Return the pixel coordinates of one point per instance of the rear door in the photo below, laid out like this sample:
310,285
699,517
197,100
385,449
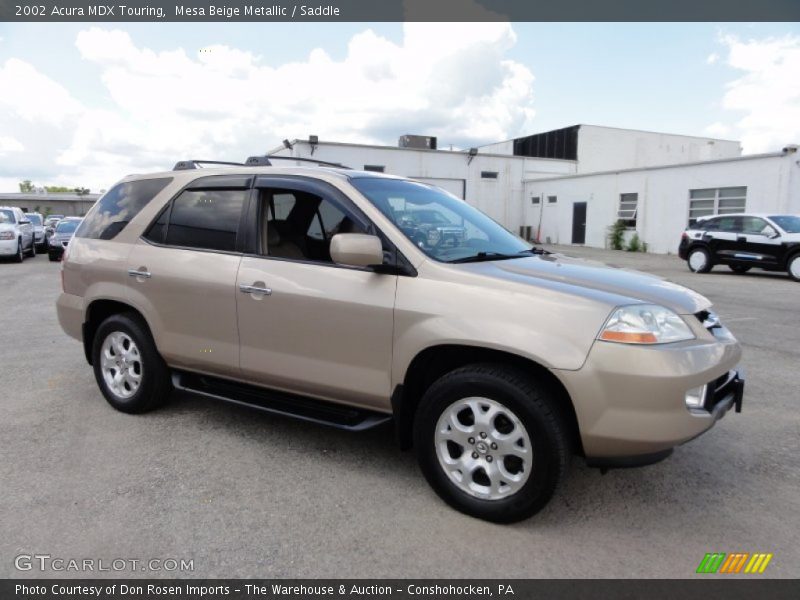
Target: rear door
182,275
307,325
721,236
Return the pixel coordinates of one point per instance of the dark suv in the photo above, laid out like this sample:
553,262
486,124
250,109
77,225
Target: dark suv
743,241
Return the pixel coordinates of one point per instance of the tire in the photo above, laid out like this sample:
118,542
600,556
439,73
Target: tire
52,257
20,255
793,267
699,265
32,252
114,338
528,411
739,269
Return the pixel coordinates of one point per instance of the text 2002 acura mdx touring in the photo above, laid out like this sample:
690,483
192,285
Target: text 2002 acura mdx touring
294,291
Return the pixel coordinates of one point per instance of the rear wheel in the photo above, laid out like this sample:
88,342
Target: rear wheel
739,269
699,260
127,366
491,442
793,267
32,252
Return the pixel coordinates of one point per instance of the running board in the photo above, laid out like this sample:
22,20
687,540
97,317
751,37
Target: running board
279,403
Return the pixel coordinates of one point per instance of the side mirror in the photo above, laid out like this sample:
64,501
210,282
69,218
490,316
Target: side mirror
24,222
356,250
772,234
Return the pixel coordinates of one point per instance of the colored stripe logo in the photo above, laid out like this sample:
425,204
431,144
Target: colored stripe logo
736,562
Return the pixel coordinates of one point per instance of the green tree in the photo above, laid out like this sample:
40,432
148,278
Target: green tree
81,191
25,186
57,188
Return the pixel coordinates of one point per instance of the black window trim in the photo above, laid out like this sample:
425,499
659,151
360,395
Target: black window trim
341,201
207,183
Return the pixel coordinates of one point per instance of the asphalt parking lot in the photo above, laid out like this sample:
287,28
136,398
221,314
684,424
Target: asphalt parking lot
244,494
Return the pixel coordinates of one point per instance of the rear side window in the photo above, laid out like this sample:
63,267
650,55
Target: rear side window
207,219
118,206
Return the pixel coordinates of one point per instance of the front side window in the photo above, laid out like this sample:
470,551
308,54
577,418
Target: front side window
118,206
756,226
442,226
628,206
299,225
206,219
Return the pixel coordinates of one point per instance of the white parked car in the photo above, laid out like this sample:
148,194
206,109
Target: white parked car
37,221
16,234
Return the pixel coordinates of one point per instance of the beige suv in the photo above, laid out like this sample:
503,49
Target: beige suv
352,299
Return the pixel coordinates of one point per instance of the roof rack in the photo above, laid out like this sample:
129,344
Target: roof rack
266,161
187,165
253,161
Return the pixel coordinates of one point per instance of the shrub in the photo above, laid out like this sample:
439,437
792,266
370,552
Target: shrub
635,244
616,235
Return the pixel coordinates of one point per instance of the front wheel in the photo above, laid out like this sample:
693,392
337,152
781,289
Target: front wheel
699,260
491,442
127,366
32,253
793,267
20,255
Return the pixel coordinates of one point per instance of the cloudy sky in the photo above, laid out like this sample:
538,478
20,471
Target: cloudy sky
86,104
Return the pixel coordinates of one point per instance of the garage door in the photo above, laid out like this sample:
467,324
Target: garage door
454,186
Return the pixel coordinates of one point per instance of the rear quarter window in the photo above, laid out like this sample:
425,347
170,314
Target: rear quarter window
109,216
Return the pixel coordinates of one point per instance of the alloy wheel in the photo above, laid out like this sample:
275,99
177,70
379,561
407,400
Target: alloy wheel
484,448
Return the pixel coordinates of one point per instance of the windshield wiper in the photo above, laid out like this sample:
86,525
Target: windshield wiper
483,256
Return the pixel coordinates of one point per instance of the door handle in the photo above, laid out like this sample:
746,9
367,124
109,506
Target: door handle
253,289
140,273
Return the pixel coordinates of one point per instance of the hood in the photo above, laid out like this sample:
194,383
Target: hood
597,276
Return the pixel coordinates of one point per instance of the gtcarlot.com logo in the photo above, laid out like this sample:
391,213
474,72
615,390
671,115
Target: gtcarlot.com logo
736,562
46,562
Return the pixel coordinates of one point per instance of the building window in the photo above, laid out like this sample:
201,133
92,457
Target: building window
628,205
716,201
375,168
552,199
535,200
489,174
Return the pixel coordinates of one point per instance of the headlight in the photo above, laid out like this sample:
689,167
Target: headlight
645,324
6,235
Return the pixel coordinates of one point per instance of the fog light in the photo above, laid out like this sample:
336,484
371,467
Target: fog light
696,397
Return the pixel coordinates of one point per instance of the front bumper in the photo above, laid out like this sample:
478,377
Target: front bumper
8,247
630,401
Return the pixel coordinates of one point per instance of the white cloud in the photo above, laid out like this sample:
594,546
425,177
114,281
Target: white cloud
718,129
9,145
712,58
447,79
767,94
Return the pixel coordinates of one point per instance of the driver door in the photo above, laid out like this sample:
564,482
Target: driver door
307,325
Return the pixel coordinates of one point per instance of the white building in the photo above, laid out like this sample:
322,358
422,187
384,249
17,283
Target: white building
569,185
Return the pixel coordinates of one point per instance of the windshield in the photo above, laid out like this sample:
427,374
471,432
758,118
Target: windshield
35,219
7,216
67,226
421,213
789,223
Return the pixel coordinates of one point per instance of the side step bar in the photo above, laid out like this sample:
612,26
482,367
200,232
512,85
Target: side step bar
280,403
